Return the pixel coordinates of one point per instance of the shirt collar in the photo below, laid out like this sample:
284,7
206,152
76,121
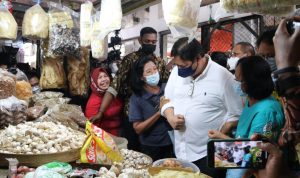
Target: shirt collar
209,63
147,95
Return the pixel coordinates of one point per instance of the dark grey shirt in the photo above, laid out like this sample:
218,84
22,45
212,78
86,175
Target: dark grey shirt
143,107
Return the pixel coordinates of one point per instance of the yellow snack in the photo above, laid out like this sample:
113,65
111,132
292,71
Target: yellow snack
23,90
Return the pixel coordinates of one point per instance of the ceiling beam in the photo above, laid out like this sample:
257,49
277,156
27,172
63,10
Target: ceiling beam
131,7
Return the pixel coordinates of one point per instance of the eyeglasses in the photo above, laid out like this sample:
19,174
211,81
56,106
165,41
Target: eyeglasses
191,89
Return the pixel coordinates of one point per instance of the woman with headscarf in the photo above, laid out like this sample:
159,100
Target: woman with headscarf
111,122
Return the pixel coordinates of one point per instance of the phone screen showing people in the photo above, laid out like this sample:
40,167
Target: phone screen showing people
237,154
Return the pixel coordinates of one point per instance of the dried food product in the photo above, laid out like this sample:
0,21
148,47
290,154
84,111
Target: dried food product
53,74
35,23
35,112
78,74
46,95
8,25
52,102
39,138
133,159
12,111
7,84
85,23
57,118
23,90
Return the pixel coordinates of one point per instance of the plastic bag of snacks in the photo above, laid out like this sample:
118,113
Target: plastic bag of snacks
53,74
99,147
110,16
8,24
63,31
78,74
181,16
7,84
23,90
35,23
86,11
98,43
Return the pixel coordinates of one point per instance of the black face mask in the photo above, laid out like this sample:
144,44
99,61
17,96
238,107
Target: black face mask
148,48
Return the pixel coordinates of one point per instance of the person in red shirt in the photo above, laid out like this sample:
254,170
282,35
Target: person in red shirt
111,122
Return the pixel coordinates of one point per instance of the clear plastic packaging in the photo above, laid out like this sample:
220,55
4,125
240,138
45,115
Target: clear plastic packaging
7,84
181,16
35,23
8,24
98,43
64,38
86,11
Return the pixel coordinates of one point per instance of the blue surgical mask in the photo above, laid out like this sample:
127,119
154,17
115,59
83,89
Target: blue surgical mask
186,72
238,88
153,79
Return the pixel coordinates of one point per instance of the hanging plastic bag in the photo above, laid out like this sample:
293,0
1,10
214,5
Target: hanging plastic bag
86,11
63,31
53,74
35,23
99,147
78,74
110,16
182,16
8,24
98,43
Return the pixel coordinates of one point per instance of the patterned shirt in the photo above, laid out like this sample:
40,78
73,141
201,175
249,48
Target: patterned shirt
121,82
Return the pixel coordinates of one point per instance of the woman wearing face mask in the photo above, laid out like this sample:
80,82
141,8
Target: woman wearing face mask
144,109
262,113
111,121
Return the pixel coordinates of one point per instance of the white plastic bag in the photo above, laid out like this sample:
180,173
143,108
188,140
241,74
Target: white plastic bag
181,16
110,16
35,23
8,25
86,24
98,43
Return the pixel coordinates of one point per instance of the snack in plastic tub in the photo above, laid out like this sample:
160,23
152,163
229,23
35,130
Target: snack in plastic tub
8,24
175,163
35,23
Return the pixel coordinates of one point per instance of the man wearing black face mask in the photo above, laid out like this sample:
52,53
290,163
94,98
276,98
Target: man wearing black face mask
120,83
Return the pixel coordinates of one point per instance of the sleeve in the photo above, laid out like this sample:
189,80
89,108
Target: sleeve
135,110
121,76
233,102
262,120
169,90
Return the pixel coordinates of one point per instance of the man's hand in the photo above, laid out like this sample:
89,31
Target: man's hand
214,134
97,117
177,122
287,51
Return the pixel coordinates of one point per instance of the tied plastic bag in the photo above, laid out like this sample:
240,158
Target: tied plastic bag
7,84
182,16
110,16
35,23
99,147
98,43
64,38
8,24
86,11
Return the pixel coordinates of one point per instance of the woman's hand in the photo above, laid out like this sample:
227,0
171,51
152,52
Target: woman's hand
214,134
163,101
97,117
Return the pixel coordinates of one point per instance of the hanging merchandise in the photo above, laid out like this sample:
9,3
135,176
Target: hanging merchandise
181,16
35,23
98,43
78,74
7,84
86,23
8,24
273,7
53,74
110,16
63,31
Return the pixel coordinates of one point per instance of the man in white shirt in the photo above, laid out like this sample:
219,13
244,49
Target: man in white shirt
238,156
201,98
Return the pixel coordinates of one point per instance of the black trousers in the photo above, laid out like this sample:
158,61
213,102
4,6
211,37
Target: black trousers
158,152
202,165
129,133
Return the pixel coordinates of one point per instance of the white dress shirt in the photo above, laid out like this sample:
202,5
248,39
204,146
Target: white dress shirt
212,102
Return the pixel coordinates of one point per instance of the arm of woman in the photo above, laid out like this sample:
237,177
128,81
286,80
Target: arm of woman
141,126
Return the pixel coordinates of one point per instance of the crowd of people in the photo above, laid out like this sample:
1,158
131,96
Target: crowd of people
174,114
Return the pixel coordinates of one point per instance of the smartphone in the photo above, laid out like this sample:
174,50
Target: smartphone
235,154
292,26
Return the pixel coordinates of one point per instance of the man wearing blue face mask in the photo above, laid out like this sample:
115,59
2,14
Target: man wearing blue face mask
201,98
144,113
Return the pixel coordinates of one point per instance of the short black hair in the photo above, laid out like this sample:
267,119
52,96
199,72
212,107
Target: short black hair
136,83
247,47
32,73
256,74
147,30
220,58
266,37
187,51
